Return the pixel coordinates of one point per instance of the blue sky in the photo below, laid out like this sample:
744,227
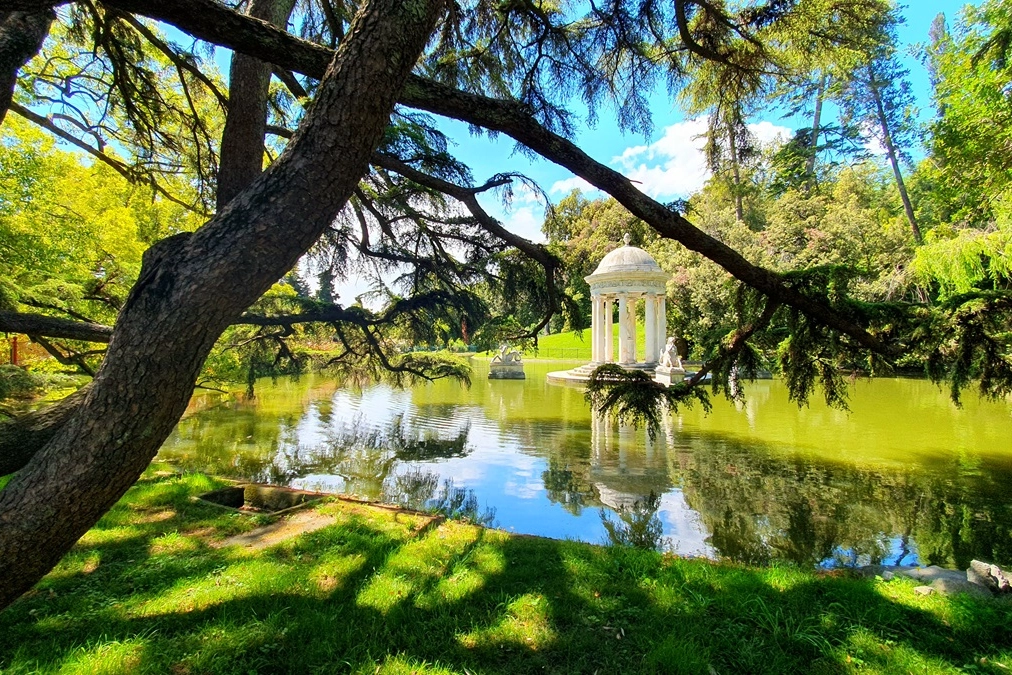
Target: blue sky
668,162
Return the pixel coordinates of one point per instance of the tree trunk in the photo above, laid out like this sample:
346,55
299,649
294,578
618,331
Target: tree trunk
21,38
23,436
192,286
890,148
739,207
242,140
820,94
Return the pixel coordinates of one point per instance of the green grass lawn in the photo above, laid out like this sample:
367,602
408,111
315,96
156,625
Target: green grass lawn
569,346
379,592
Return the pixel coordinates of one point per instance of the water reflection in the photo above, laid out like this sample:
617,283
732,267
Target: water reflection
637,525
731,485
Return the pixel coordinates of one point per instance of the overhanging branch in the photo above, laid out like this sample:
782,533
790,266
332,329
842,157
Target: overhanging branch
50,326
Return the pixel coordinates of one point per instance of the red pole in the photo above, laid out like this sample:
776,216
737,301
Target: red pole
14,350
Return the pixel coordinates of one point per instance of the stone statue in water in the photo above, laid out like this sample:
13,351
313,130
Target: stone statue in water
669,368
506,355
506,365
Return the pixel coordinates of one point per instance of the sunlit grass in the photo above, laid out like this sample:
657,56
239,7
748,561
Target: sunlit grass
150,589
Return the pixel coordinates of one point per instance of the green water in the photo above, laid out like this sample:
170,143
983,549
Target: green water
904,477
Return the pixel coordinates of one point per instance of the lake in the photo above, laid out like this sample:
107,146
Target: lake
904,477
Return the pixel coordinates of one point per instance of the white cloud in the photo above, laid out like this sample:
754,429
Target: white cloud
569,184
767,132
674,165
869,132
526,222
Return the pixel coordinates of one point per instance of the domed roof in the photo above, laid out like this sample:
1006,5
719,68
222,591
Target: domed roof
627,259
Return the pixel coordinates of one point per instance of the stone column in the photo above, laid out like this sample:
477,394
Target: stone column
662,323
595,328
623,342
630,329
609,311
650,328
599,330
630,308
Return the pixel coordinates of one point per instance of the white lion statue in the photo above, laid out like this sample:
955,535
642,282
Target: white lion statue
669,357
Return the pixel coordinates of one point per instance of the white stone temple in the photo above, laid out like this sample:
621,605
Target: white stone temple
626,276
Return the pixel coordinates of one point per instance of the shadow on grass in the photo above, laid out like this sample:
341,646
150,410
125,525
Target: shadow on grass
144,592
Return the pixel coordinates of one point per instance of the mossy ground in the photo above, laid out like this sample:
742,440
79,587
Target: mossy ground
377,592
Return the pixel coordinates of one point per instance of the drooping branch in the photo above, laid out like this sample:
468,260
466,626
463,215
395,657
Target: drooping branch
119,166
177,59
68,358
468,197
736,343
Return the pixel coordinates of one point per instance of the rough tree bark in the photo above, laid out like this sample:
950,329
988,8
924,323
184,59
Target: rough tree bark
242,140
192,286
21,38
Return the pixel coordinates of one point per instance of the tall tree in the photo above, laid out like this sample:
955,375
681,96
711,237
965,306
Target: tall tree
879,102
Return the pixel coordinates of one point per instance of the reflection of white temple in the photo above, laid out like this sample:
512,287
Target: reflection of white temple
626,464
626,276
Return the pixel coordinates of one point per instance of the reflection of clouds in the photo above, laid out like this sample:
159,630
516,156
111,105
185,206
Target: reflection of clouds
683,527
320,483
529,489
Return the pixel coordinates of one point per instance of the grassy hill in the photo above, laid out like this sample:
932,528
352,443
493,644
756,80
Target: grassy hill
570,346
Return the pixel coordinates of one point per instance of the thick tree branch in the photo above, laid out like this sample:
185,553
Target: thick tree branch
50,326
21,38
515,121
24,435
215,23
690,42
